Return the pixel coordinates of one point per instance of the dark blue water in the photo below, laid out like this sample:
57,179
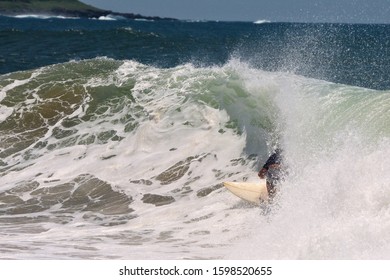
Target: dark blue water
343,53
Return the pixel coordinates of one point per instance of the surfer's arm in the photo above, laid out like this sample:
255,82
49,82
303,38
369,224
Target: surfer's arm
262,173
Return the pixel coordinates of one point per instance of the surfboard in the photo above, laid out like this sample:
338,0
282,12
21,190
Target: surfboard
252,192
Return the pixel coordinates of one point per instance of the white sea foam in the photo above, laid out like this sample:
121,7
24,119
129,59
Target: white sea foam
262,21
43,16
111,17
333,204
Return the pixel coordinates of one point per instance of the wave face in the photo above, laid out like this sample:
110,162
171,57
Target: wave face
126,161
115,145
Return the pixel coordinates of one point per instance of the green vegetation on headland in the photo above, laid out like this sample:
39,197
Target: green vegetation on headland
65,8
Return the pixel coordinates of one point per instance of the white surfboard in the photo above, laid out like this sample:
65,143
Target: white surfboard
252,192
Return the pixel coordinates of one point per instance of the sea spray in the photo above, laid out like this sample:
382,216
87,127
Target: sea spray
334,202
126,160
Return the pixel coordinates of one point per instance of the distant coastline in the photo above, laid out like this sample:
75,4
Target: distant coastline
64,8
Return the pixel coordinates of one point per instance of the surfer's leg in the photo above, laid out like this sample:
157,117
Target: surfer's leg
271,190
273,178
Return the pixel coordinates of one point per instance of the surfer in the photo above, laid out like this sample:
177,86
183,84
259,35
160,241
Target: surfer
272,171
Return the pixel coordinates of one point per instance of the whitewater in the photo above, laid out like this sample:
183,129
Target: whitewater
116,136
116,159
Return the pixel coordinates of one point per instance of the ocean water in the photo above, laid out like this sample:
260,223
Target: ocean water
115,137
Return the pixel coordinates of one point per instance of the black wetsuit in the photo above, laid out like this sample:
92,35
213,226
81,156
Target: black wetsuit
275,158
274,175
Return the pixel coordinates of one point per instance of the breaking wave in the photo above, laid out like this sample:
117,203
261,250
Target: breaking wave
126,160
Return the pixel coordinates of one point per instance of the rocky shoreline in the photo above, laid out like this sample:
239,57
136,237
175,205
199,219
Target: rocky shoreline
57,9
